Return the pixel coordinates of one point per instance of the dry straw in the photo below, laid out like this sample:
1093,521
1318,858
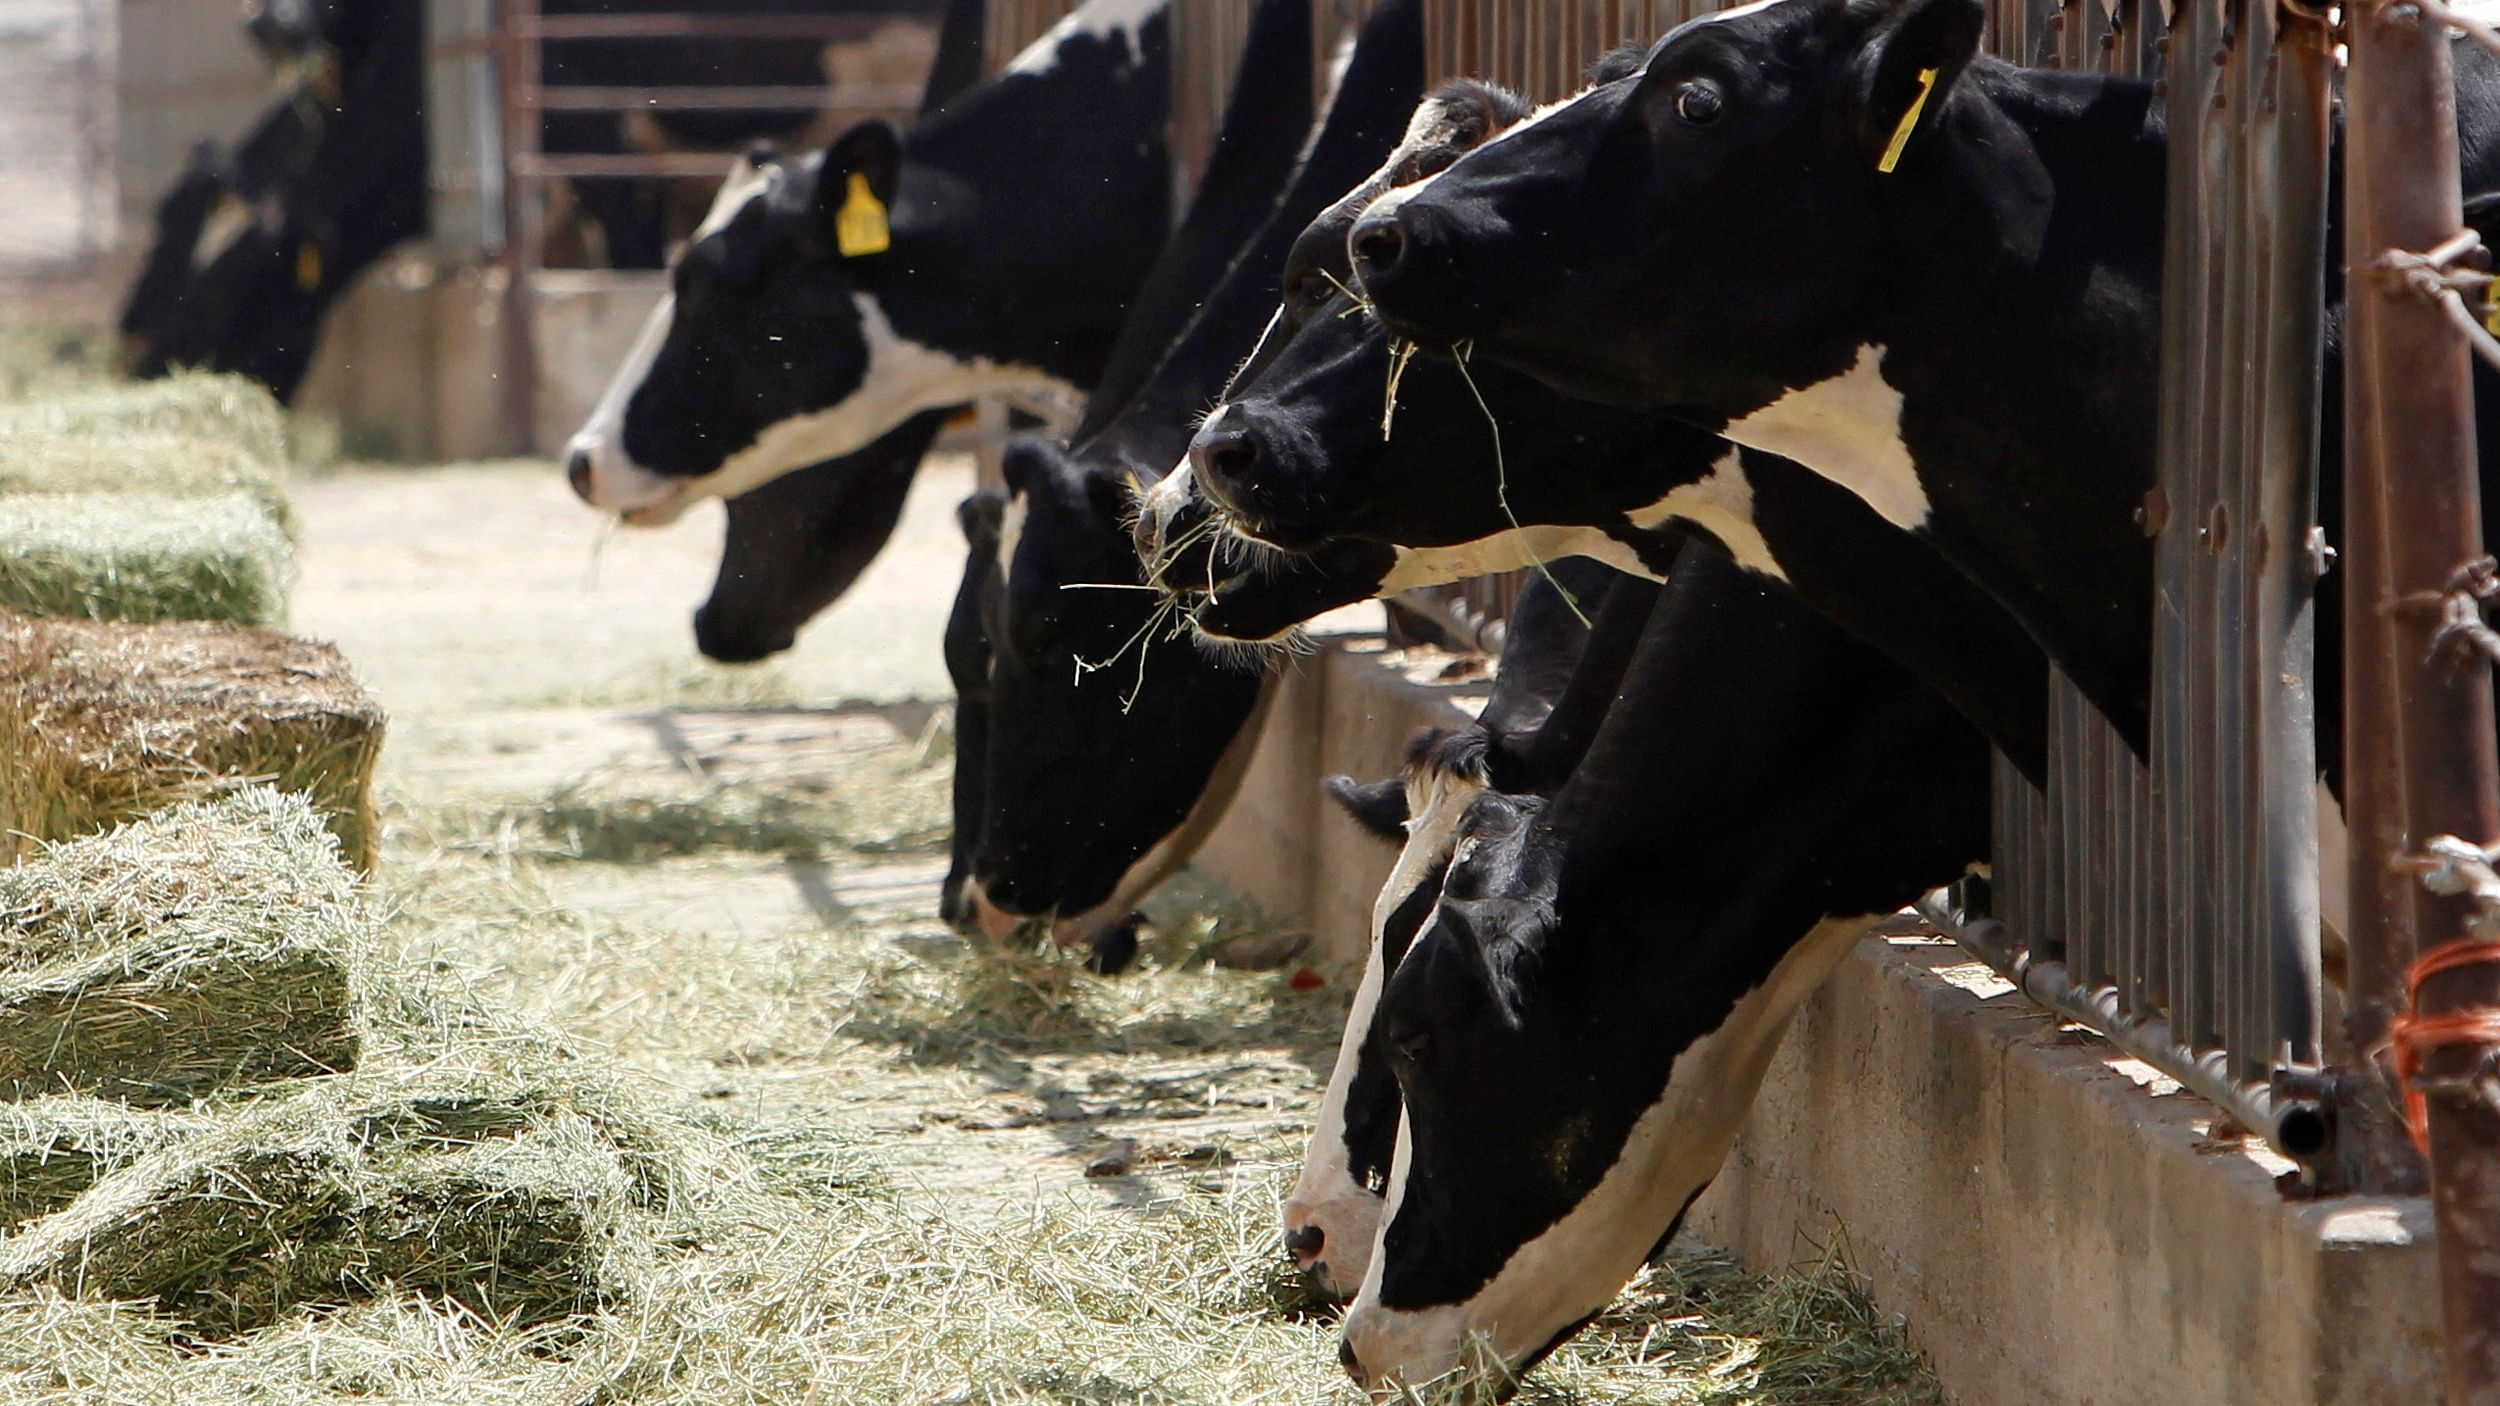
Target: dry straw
205,948
143,557
103,723
183,437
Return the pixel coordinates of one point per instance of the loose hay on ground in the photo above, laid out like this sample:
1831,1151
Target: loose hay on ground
103,723
210,947
143,557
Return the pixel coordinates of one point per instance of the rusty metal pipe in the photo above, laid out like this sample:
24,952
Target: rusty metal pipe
2433,769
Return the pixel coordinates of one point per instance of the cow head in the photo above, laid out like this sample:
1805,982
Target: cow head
796,544
1332,1214
1580,1027
1306,455
231,284
1710,232
1114,744
823,302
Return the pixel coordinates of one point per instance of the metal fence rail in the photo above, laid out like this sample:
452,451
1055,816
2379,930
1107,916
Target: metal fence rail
2174,906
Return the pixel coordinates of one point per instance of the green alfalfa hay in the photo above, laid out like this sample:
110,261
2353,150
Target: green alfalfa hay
143,557
211,947
53,1149
224,409
142,461
104,723
339,1194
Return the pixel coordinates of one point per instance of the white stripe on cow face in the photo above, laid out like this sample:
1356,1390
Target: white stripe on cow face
1721,505
1326,1195
616,481
1098,20
1848,429
1011,534
1580,1262
232,218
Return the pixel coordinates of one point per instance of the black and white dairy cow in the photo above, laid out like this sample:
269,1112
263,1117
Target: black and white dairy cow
1557,681
253,246
1580,1026
1964,341
1485,469
1113,741
993,248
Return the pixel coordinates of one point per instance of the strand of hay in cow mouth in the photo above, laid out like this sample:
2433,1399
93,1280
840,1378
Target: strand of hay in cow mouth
210,947
143,557
104,723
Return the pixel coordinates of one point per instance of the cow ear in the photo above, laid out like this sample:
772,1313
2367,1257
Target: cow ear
1906,69
855,190
1025,463
1378,806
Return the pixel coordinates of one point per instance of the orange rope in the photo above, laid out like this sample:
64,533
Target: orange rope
2411,1034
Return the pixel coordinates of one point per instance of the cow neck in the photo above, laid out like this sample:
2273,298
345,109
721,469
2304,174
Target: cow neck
2028,385
977,204
1382,85
1266,125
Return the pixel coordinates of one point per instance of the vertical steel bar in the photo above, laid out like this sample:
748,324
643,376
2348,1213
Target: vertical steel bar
525,225
2372,1151
2409,368
2300,98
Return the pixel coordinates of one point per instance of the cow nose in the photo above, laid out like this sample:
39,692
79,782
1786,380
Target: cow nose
1230,457
1305,1244
577,473
1353,1365
1378,245
724,639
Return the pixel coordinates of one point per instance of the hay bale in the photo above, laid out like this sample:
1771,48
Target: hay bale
103,723
342,1192
228,410
146,461
143,557
207,948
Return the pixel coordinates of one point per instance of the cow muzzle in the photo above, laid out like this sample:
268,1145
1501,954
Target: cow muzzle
1331,1241
602,477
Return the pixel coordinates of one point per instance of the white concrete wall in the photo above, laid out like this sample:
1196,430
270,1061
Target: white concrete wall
59,201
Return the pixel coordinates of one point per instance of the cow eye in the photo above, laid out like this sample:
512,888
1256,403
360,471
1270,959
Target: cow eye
1699,103
1312,289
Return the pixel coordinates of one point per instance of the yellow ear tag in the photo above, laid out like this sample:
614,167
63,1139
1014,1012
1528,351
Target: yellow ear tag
1909,119
861,228
2491,307
308,266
